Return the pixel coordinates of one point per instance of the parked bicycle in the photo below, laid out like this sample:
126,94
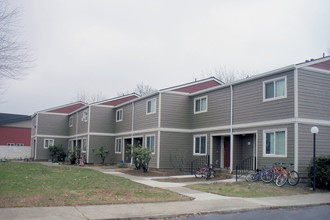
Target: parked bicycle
287,175
254,176
205,172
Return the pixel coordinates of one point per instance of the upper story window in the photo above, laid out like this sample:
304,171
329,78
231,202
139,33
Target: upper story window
275,89
150,143
85,116
19,144
151,106
200,104
275,144
10,144
119,115
200,144
70,121
48,143
118,145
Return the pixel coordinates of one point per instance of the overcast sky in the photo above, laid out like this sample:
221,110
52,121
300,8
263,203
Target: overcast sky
107,46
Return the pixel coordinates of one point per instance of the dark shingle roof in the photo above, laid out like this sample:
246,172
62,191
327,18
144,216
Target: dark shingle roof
6,118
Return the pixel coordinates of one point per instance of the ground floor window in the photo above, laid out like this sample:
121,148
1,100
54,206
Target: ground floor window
48,143
84,145
199,144
118,145
151,143
275,143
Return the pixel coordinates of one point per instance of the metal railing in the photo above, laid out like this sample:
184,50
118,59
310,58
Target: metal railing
199,162
245,166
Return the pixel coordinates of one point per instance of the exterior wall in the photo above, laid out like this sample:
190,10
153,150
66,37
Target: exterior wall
34,126
82,125
175,147
218,109
14,152
102,119
95,142
52,124
176,111
313,95
15,136
305,152
43,153
21,124
248,104
141,119
126,124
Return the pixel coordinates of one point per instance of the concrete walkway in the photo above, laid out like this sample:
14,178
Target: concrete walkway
203,203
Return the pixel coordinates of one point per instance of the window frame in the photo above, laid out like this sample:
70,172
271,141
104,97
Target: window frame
19,144
149,147
151,100
274,82
84,140
47,139
121,118
85,116
265,132
70,121
10,144
116,145
194,150
200,98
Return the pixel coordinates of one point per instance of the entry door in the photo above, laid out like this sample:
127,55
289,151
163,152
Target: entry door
227,152
127,150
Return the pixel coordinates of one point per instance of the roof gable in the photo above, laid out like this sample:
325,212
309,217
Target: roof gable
118,100
67,109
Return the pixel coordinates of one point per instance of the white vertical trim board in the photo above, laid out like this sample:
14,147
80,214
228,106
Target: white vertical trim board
159,126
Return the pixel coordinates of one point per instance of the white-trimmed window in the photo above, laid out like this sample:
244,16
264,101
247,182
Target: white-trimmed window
151,106
84,145
48,143
10,144
275,89
19,144
150,143
70,121
85,116
200,104
275,143
200,144
118,145
119,115
70,145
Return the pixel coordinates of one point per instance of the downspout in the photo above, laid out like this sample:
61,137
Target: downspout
231,128
132,138
88,131
296,115
76,130
36,137
159,126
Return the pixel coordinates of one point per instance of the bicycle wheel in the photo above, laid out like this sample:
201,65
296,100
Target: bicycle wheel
252,177
293,178
199,174
267,176
281,179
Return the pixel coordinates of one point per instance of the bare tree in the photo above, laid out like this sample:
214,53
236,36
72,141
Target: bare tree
228,75
83,96
140,89
14,56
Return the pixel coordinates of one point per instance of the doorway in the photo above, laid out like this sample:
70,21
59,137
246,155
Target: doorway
226,152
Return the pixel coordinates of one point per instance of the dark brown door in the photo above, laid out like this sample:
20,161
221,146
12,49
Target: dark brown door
227,152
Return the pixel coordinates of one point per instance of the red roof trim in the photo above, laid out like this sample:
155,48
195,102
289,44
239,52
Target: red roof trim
323,65
68,109
198,87
120,101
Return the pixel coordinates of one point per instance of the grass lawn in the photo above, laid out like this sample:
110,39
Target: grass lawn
255,189
32,184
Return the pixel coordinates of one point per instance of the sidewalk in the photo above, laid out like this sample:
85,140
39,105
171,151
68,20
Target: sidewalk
202,204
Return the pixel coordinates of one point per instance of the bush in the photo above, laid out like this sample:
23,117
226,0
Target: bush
322,174
57,153
102,153
74,154
141,157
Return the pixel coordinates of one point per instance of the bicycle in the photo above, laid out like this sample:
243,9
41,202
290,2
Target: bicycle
270,174
206,172
282,176
287,175
293,176
254,176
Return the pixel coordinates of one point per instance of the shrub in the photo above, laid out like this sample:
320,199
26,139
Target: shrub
57,153
322,174
102,153
74,154
141,157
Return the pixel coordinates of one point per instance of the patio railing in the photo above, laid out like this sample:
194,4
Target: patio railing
199,163
245,166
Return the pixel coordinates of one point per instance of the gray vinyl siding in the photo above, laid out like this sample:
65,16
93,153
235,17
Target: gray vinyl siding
95,142
248,104
218,109
175,111
242,150
305,151
101,119
34,126
141,119
43,153
313,95
52,124
175,147
126,124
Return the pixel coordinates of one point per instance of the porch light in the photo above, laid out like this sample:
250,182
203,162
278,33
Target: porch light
314,131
